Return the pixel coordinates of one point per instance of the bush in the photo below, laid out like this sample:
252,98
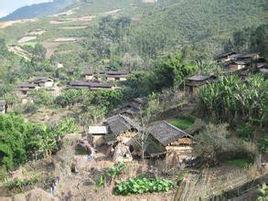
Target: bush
42,97
141,185
30,108
21,140
215,145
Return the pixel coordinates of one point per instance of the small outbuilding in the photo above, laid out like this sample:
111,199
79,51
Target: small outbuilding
195,82
98,133
88,75
132,108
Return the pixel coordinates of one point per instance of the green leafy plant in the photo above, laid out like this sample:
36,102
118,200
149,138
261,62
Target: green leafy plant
111,174
141,185
263,193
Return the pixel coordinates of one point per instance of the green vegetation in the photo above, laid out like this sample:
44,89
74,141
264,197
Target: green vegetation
114,172
233,100
263,193
141,185
182,122
21,140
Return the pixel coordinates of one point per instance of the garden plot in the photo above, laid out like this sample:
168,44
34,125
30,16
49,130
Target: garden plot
26,39
88,18
67,13
20,52
37,32
66,39
112,12
6,24
73,27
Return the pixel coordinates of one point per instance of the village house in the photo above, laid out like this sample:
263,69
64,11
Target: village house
24,88
89,75
98,133
225,57
164,137
43,82
22,91
3,107
264,72
116,75
132,108
236,65
249,57
261,65
121,129
80,84
195,82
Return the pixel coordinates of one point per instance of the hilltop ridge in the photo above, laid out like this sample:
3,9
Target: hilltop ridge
38,10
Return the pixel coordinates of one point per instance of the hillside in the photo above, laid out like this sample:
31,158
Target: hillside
178,23
37,10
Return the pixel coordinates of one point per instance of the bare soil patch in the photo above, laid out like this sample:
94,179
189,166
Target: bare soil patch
10,23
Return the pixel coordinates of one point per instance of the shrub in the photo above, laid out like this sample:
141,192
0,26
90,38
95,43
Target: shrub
42,97
30,108
263,193
141,185
215,144
21,140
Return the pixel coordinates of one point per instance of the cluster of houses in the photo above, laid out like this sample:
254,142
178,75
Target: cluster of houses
128,139
99,80
36,83
233,61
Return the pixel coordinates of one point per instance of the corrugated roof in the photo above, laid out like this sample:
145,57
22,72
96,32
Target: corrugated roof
97,130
